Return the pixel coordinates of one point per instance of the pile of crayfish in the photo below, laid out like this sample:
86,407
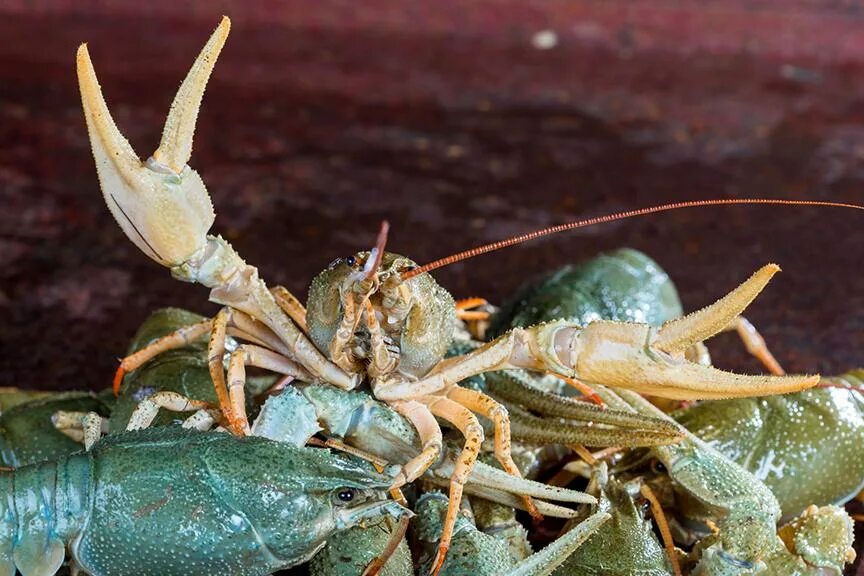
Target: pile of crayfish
386,428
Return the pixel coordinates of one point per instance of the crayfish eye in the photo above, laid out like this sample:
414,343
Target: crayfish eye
345,495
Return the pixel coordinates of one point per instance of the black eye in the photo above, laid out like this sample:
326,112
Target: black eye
346,494
658,467
350,260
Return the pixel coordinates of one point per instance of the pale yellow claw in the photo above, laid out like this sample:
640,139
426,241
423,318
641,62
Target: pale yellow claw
175,149
615,354
632,356
680,334
162,205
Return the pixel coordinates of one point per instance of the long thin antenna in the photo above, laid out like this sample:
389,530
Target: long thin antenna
612,218
377,253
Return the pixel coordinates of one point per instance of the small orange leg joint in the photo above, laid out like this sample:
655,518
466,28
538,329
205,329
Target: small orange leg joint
663,526
464,312
233,422
398,534
280,385
118,379
439,559
583,388
562,478
755,344
469,315
584,454
396,494
468,303
532,508
379,463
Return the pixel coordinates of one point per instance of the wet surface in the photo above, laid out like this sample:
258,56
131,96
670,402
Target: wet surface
318,124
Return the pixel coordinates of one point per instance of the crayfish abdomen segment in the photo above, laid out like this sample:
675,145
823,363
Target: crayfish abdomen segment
43,507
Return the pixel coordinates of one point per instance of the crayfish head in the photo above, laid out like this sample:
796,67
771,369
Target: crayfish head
161,204
298,497
415,317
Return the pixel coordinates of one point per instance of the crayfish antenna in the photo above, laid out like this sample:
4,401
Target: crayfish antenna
377,253
162,205
636,213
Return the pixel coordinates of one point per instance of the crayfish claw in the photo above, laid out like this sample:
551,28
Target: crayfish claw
175,149
633,365
162,205
680,334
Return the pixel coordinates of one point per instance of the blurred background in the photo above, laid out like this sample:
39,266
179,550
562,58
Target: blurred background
461,123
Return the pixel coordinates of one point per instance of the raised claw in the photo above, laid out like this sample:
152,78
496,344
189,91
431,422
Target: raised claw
162,204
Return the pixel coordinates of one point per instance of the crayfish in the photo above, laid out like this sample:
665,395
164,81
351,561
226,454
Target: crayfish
377,317
174,501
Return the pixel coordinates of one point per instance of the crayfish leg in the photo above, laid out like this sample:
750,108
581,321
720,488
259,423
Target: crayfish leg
663,526
463,419
464,309
84,427
291,306
147,409
589,393
251,355
396,537
237,422
497,413
179,338
430,437
755,344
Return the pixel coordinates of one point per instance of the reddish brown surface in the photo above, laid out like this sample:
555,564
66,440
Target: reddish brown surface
323,118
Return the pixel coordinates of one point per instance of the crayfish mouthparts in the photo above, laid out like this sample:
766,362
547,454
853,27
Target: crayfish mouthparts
371,510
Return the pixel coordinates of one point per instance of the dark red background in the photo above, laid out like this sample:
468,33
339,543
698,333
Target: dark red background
323,117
